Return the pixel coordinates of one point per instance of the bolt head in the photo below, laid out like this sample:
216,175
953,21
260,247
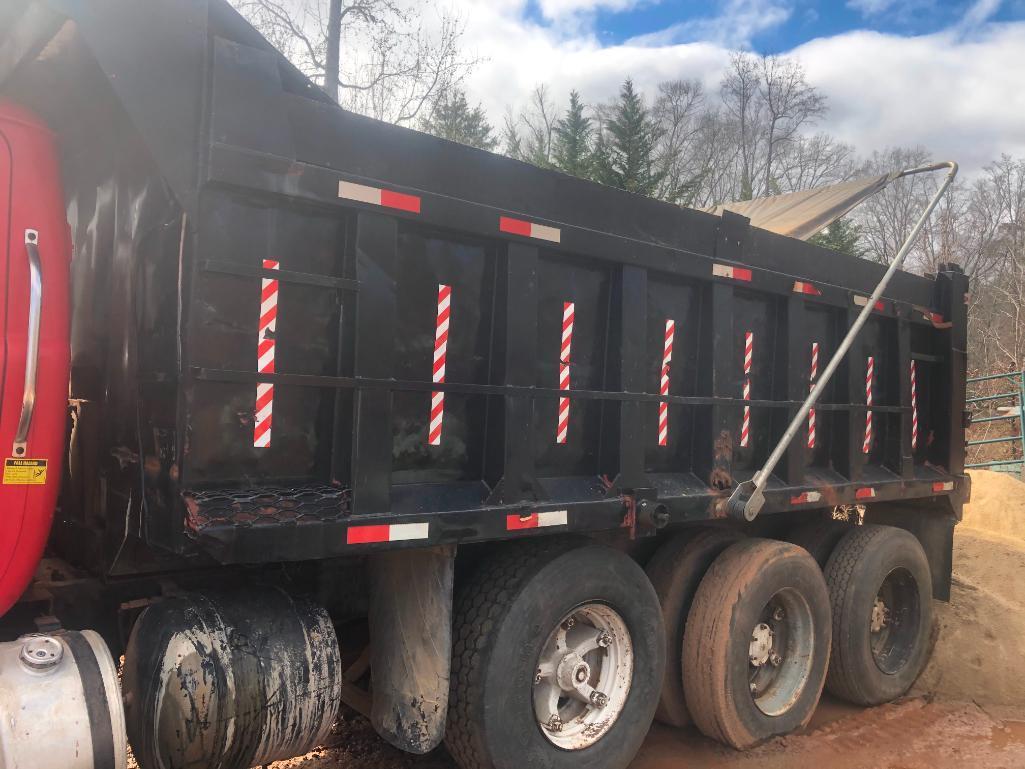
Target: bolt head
604,640
775,659
537,677
754,688
569,623
779,614
599,699
555,724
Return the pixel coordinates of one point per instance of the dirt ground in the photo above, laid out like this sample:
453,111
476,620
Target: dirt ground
967,709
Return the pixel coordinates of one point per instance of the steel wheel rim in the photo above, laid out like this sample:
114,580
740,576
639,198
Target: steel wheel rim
583,676
780,652
894,621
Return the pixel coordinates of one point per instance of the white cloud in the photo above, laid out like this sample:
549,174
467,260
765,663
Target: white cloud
957,93
736,24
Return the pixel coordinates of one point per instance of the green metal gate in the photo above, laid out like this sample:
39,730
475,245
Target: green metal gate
1010,399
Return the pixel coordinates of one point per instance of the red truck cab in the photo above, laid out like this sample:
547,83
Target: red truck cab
35,253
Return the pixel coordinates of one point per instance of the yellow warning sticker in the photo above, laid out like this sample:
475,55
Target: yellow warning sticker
24,472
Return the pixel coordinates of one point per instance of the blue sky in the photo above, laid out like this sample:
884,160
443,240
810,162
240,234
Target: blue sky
805,20
947,75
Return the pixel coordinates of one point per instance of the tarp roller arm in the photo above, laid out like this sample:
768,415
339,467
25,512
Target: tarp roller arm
748,498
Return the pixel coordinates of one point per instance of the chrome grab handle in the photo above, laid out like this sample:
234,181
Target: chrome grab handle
35,307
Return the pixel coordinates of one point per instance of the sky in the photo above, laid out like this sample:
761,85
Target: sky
945,74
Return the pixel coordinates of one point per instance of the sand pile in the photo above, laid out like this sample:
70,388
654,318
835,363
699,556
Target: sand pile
980,634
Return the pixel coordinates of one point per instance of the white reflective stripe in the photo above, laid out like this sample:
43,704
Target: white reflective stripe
553,518
360,193
262,441
399,532
540,231
812,496
722,271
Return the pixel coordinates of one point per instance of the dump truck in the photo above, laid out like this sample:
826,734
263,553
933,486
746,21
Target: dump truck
300,410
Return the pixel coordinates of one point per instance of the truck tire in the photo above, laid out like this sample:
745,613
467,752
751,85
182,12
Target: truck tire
539,620
675,572
880,590
756,647
819,538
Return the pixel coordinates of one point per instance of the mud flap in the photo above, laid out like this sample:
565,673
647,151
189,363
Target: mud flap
411,645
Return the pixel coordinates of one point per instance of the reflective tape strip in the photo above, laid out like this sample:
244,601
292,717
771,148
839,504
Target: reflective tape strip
529,229
861,301
396,532
806,498
811,386
943,486
562,430
800,287
663,407
263,409
865,493
745,428
914,408
376,196
437,413
733,273
537,520
869,376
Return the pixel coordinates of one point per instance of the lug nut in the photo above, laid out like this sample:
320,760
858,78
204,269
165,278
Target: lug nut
599,699
604,640
778,614
554,724
754,688
537,677
568,623
775,659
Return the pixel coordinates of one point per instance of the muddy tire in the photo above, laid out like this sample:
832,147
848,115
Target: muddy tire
819,538
880,590
756,647
675,572
509,619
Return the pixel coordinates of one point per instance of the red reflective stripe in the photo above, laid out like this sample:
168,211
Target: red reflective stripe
363,535
742,273
514,226
516,522
400,201
865,493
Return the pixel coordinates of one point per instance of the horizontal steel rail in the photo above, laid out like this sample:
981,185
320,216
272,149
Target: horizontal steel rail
1011,464
995,440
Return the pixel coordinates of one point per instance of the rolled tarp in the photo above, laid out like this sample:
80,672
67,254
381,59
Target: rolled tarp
801,214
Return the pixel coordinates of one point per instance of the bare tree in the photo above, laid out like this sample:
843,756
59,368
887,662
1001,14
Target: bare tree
678,111
740,91
538,121
886,218
789,105
376,57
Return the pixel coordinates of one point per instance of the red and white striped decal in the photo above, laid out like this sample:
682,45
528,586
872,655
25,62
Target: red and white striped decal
663,390
939,486
865,492
806,498
440,355
914,408
869,376
529,229
800,287
733,273
265,358
861,301
396,532
811,386
564,356
537,520
745,429
376,196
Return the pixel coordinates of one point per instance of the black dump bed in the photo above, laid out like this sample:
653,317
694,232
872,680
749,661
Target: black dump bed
266,288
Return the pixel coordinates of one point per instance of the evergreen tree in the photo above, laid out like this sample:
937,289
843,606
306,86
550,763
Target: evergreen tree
843,235
633,136
452,118
572,146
